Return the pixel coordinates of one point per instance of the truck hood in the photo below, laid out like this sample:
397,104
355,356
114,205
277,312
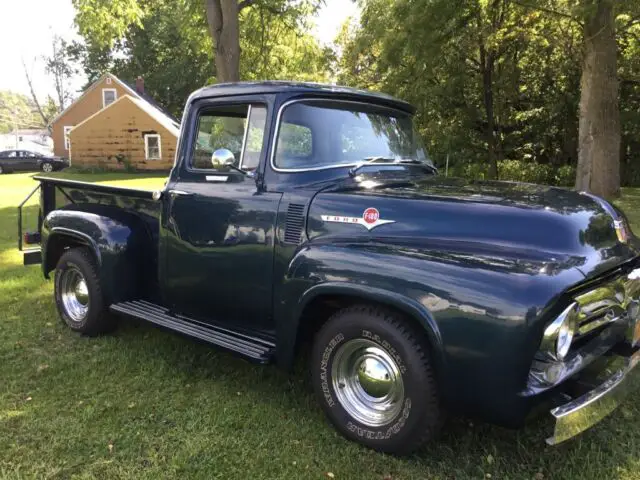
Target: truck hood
542,226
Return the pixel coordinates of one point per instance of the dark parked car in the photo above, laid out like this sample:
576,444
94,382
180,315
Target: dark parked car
25,161
307,219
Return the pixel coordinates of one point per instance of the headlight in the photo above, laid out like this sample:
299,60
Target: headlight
558,336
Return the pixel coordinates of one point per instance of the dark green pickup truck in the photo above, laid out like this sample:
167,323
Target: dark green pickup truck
305,218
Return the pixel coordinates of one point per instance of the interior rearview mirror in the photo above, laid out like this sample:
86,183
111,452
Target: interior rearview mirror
222,158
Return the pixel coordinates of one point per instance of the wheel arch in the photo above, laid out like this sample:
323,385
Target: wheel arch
320,301
60,239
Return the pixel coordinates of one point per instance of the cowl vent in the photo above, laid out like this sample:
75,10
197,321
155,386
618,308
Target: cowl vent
295,224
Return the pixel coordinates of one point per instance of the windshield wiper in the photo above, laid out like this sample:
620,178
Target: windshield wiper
400,161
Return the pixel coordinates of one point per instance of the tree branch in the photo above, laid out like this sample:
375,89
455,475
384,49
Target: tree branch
548,10
45,119
245,4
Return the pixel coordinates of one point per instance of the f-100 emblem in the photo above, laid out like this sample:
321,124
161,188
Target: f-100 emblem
370,219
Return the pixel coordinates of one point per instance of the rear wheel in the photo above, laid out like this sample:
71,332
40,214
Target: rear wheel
47,167
78,293
374,380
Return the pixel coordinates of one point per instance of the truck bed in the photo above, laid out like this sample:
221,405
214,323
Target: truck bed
60,193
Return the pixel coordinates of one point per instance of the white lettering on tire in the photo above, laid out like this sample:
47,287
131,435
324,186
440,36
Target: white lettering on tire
387,346
326,355
383,434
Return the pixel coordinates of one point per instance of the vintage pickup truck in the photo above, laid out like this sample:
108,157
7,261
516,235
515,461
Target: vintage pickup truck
300,215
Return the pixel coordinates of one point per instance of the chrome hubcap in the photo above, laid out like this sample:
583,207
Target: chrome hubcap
47,167
367,382
74,294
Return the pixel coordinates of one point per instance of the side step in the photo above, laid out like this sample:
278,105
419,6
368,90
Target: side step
253,348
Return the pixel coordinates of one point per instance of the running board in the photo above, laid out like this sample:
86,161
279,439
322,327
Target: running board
253,348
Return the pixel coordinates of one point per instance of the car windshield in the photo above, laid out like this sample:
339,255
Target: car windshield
317,134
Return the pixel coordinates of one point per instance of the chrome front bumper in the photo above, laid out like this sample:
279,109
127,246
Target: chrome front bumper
588,409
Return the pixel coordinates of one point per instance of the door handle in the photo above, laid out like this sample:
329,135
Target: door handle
180,193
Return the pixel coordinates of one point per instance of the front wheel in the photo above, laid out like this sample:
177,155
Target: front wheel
374,380
46,167
78,293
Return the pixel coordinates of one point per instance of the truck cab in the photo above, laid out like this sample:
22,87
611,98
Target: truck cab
301,215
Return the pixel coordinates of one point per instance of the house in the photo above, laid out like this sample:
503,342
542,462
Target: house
33,140
128,132
114,125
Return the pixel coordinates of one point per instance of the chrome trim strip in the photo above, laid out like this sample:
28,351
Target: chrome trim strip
244,137
583,412
274,142
217,178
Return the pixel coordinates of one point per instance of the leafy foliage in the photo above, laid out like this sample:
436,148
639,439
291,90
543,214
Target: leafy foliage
16,108
483,71
167,42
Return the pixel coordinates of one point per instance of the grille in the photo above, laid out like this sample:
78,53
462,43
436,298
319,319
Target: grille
295,224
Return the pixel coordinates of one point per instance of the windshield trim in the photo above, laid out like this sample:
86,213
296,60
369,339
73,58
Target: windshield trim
274,141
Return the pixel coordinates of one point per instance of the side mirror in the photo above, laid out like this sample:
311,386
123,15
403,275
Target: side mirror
223,158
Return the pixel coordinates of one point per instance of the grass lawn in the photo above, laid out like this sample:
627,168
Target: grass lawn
144,403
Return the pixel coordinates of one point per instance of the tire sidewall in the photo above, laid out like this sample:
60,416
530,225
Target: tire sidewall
410,421
74,258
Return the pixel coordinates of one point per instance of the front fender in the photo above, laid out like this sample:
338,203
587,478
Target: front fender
121,243
483,313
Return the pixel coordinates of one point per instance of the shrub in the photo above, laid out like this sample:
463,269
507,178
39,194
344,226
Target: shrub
519,171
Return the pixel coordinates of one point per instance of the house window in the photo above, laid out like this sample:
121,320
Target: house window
152,147
67,129
109,95
108,80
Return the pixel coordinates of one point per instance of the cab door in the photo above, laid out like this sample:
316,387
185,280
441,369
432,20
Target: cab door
217,240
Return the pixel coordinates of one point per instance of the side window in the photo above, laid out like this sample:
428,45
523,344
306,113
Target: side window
12,154
67,144
237,128
109,95
152,149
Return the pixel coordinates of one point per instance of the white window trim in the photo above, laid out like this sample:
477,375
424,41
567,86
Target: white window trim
115,95
108,80
146,146
67,142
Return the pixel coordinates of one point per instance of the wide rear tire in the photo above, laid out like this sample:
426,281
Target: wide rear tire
78,293
374,380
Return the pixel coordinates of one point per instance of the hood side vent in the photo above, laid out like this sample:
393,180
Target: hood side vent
295,223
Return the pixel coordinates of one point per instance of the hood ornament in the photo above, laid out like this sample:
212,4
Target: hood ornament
370,219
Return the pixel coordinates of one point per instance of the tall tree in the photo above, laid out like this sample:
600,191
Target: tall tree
599,134
222,18
60,66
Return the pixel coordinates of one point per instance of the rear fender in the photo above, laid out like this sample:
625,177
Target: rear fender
120,242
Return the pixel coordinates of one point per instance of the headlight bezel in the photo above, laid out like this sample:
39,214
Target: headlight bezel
559,334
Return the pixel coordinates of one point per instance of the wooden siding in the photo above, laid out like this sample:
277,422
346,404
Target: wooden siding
118,131
79,111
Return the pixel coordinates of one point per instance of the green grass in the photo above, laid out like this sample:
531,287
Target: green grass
143,403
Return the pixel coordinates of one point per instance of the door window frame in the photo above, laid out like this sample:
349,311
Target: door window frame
200,106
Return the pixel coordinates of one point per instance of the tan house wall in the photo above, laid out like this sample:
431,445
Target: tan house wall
120,130
79,111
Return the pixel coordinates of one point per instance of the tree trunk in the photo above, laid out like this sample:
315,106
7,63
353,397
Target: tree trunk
599,117
487,63
222,18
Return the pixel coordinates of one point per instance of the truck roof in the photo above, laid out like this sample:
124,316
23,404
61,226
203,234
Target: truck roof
281,86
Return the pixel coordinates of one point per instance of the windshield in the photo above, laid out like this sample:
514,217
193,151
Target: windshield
320,134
